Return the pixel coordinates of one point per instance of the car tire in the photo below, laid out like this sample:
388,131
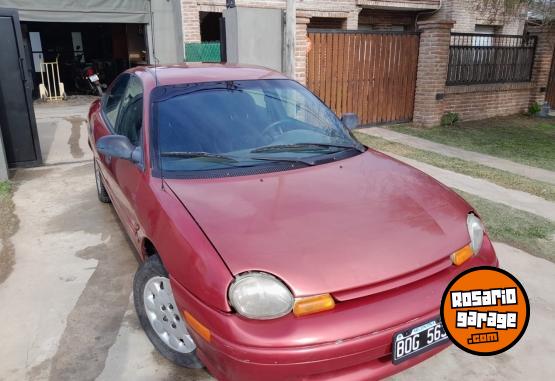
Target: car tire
100,189
160,318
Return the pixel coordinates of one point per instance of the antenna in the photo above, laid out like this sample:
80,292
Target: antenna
156,84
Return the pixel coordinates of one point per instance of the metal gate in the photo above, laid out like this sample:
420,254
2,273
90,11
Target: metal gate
17,117
372,74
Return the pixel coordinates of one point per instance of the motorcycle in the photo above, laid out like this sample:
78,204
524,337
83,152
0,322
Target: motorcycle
93,81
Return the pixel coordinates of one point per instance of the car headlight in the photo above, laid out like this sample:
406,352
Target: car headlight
476,232
260,296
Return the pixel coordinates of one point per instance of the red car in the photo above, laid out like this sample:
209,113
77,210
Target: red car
274,246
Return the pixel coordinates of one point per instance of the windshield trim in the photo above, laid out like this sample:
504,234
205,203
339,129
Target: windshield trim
164,92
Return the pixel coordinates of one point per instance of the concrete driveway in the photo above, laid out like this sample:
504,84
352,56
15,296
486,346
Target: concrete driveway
66,308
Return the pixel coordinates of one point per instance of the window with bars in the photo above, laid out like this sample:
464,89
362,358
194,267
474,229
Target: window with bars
476,58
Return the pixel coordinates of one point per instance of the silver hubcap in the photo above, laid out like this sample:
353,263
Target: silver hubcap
164,316
97,178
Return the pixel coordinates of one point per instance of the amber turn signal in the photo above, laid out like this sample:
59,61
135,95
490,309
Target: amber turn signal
197,326
313,304
461,256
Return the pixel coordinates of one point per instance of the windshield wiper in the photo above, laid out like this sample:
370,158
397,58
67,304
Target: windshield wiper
301,146
284,160
192,155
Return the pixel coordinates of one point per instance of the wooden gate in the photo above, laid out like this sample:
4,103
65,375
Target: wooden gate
372,74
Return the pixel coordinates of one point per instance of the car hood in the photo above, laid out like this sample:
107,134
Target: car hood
352,228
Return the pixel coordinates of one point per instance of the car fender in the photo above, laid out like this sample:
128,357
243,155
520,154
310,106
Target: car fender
186,252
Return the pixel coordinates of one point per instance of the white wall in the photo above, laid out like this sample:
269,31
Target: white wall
168,34
254,36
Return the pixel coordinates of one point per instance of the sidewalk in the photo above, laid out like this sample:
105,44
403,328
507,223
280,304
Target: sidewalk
442,149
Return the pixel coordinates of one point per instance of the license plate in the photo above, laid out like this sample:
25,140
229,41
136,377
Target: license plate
93,78
417,340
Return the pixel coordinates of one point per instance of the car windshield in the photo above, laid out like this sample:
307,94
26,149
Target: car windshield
222,125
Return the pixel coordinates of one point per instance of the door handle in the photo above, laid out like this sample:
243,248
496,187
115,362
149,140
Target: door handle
22,70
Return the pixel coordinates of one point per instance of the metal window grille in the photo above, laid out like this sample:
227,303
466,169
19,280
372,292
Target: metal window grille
490,58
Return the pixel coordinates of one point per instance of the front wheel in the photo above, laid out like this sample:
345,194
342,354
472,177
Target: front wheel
160,317
100,189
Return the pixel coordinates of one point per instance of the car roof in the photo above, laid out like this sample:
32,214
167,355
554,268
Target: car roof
196,73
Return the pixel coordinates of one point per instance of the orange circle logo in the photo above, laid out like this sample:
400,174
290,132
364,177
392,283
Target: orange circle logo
485,311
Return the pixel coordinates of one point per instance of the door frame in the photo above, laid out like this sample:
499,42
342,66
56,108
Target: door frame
27,85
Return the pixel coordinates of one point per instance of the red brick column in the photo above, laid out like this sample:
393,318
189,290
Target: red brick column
542,62
301,48
433,60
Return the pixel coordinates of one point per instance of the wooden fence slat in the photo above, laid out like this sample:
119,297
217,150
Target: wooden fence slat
405,68
372,98
340,71
335,47
346,63
369,75
311,62
361,107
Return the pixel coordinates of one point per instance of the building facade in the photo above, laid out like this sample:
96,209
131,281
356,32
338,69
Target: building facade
199,18
435,20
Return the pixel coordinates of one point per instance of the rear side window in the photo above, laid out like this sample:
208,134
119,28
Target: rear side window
113,100
131,121
134,89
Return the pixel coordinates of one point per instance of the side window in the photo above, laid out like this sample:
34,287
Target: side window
131,121
131,115
112,103
134,88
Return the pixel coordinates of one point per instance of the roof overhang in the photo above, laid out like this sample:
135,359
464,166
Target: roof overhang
401,5
95,11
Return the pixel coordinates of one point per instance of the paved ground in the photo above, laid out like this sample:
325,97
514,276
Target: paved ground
442,149
66,300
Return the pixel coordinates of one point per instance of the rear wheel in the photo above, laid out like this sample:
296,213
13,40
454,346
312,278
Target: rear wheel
159,315
100,189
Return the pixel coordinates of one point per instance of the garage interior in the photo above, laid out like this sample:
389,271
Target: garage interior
108,49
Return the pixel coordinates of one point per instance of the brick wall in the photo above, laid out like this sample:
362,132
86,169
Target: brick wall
301,49
487,101
467,16
434,98
191,23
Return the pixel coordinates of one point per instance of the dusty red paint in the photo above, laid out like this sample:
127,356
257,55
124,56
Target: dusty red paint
373,232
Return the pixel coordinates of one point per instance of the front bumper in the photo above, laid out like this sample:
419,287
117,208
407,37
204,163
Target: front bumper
351,343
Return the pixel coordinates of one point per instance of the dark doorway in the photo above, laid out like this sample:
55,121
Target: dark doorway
327,23
17,118
210,26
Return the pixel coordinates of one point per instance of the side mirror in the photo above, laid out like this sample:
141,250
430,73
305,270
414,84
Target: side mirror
120,147
350,120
